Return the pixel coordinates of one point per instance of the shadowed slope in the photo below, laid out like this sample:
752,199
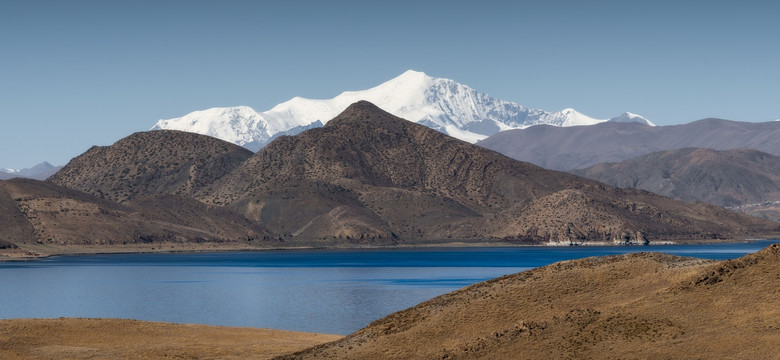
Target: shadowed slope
644,305
731,178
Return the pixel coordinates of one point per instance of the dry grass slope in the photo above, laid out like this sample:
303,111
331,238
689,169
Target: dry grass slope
637,306
44,339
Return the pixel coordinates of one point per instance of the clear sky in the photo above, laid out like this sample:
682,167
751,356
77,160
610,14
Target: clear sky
79,73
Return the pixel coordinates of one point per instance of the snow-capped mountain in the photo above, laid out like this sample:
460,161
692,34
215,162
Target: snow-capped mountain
441,104
630,117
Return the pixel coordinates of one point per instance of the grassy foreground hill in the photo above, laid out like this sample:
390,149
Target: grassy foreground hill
636,306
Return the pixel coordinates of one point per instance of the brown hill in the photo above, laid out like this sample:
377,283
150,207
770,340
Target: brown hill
152,162
368,176
564,148
743,179
636,306
44,218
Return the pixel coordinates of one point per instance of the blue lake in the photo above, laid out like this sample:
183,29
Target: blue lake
330,291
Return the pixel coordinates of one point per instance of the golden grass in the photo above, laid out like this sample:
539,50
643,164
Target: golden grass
75,338
636,306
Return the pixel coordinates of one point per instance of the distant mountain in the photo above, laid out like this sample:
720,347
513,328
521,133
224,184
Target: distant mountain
745,179
633,306
370,177
38,172
441,104
565,148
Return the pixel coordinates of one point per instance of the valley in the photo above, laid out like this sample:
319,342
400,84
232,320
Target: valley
389,180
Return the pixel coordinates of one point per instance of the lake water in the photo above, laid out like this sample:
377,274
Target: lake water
331,291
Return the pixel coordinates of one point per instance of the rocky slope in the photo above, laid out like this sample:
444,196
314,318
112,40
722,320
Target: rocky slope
565,148
152,162
45,218
743,179
369,177
643,305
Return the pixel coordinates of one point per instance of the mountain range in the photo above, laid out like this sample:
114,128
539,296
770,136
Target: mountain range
441,104
365,178
566,148
38,172
368,174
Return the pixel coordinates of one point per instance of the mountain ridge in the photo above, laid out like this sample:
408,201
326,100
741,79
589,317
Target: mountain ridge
40,171
566,148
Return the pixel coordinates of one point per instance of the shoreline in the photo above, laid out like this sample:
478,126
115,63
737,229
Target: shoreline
26,253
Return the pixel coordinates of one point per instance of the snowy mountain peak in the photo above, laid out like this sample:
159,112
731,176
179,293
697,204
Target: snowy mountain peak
631,117
575,118
411,77
439,103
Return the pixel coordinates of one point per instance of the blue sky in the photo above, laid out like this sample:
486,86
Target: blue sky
79,73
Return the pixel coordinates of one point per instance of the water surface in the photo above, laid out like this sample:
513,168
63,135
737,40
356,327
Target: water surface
331,291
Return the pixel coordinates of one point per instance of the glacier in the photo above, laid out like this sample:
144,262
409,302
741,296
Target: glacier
439,103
